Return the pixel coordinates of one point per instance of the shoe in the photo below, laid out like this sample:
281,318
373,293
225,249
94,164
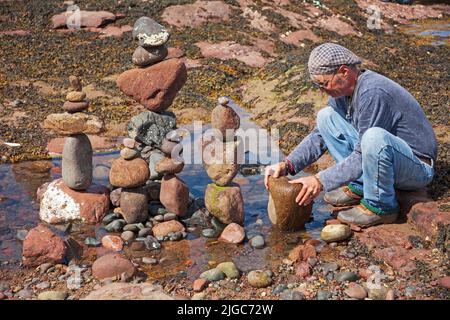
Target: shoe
363,217
342,197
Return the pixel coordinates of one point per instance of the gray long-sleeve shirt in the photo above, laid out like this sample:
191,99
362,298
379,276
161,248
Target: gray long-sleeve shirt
377,102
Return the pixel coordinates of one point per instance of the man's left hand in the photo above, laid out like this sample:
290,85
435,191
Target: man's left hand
310,189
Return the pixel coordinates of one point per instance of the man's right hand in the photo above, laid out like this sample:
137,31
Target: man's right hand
275,170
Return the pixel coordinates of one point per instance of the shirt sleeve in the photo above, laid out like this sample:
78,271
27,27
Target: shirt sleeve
309,150
373,111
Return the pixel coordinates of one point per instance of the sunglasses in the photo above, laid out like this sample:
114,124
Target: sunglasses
324,84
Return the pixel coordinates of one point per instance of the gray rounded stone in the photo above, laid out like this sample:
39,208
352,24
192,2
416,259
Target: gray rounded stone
257,242
150,127
143,57
77,162
210,233
149,33
213,275
170,216
128,236
145,232
92,242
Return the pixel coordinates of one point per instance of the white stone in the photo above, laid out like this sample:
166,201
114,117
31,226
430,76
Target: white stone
56,204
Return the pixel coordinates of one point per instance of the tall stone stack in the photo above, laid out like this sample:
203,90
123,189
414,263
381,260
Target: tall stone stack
74,197
223,198
145,174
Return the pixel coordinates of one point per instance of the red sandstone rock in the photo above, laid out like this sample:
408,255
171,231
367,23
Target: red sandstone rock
112,265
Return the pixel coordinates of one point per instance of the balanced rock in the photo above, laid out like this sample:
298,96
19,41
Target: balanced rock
164,228
172,149
134,205
75,96
155,157
72,123
335,232
233,233
220,160
112,265
73,107
149,33
174,195
143,57
75,83
128,154
61,204
150,128
225,203
225,119
156,86
128,173
284,212
41,245
169,166
77,162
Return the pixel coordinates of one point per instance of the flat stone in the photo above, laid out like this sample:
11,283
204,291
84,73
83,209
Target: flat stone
73,123
86,19
143,57
128,154
76,106
283,211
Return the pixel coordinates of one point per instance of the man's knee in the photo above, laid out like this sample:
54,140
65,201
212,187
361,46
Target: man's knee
323,117
374,140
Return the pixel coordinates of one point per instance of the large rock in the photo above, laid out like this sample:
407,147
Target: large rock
112,265
150,128
128,173
225,119
174,195
134,205
225,203
284,212
77,162
220,160
233,233
62,204
164,228
82,18
72,123
149,33
143,57
154,87
43,246
128,291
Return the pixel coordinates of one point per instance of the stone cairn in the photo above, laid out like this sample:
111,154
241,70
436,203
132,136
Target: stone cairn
148,197
74,197
223,198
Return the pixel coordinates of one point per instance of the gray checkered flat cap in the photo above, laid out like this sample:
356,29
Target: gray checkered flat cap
328,57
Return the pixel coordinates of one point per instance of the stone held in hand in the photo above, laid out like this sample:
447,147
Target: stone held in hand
225,203
77,162
156,86
134,204
226,120
150,127
174,195
283,211
128,173
143,57
149,33
220,160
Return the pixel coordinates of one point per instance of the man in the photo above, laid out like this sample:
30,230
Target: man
376,132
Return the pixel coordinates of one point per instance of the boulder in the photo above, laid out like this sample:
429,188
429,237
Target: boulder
283,211
156,86
61,204
41,245
225,203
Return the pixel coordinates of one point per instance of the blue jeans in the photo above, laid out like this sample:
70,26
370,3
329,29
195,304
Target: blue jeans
388,162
